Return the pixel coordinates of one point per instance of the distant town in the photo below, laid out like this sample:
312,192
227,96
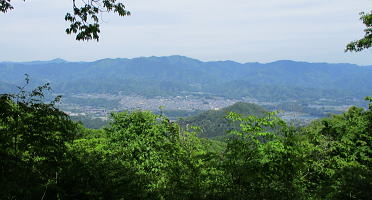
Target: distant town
188,103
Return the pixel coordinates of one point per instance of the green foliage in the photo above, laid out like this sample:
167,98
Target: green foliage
141,155
366,41
32,144
145,144
344,163
330,159
93,171
169,164
85,21
258,161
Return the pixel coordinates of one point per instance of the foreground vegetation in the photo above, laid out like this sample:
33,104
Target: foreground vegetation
141,155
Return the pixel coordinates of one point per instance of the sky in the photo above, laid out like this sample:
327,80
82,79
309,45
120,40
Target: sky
208,30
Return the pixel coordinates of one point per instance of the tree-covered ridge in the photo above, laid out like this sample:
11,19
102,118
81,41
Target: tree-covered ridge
177,75
213,123
141,155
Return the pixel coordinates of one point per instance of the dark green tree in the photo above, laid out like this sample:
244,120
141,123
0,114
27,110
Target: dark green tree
263,160
32,145
166,163
92,171
342,169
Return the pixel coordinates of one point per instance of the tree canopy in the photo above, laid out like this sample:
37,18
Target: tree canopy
140,155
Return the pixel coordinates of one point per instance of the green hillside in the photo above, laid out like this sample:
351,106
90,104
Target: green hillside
141,155
213,122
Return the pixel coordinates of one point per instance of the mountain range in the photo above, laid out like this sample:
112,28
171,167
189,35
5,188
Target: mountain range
179,75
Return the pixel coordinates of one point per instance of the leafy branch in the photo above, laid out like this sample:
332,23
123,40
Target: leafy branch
84,20
365,42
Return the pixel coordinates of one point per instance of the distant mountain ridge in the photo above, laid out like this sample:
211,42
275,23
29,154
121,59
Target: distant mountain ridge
175,75
56,60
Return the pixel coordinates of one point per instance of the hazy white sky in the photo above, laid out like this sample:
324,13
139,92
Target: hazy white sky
239,30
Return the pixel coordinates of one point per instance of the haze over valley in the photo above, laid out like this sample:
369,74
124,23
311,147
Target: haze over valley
182,85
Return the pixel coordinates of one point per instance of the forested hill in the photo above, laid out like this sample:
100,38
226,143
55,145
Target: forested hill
213,123
152,76
141,155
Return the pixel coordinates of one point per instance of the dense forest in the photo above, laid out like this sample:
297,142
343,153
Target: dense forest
141,155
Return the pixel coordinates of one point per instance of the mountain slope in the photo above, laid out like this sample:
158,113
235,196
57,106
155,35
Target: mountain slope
213,122
175,75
